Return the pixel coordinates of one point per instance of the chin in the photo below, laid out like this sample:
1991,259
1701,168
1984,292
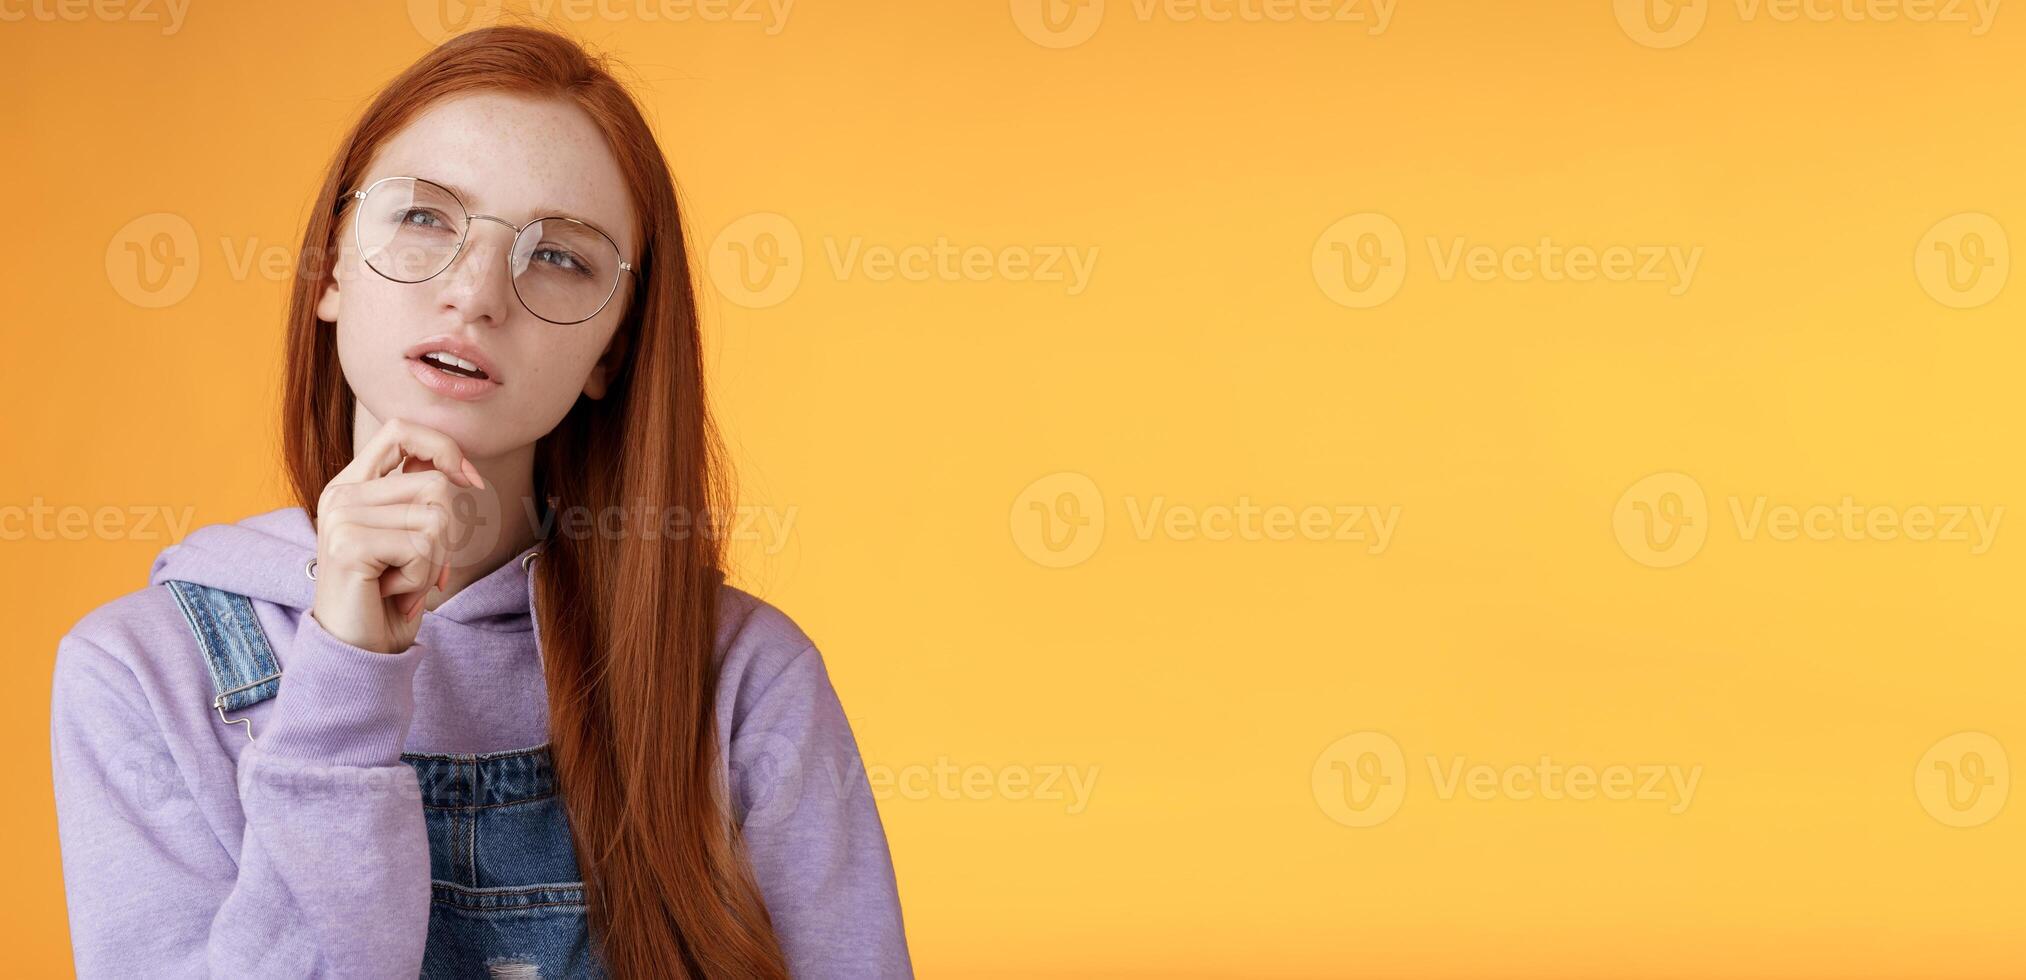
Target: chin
469,424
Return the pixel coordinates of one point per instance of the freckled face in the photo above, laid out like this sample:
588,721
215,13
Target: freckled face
517,158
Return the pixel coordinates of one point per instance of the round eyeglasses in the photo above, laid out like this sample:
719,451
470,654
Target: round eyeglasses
410,230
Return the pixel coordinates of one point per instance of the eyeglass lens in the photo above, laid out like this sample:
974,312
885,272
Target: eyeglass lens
410,229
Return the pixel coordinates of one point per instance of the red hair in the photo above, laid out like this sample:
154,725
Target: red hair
628,623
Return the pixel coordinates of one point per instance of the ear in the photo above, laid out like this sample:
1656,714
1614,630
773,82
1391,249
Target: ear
608,365
327,303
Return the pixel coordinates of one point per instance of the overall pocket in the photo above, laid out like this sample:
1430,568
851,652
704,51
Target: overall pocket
507,899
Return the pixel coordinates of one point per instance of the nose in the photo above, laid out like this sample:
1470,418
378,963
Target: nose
477,285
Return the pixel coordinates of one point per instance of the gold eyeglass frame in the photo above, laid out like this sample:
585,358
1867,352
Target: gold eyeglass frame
464,235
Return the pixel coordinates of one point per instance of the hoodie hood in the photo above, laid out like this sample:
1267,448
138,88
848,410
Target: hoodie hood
263,557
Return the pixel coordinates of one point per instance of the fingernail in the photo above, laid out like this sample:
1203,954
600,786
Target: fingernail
472,472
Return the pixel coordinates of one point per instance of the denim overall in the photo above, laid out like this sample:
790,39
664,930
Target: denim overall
506,896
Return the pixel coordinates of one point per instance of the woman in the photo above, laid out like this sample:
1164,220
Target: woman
482,704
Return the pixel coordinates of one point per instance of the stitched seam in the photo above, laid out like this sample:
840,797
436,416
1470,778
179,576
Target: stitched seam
247,627
509,908
474,825
471,852
486,806
560,886
467,825
453,895
476,756
191,613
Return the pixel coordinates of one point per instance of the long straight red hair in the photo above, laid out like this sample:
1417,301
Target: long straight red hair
628,622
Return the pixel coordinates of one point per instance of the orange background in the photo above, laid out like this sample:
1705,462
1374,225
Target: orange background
1216,689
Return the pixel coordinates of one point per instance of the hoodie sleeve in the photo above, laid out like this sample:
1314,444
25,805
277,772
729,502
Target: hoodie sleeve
813,832
331,876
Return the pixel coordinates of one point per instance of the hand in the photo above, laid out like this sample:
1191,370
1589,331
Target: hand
384,527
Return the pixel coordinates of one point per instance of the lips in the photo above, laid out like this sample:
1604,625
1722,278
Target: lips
453,367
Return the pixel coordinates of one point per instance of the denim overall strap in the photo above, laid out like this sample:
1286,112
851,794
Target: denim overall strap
243,669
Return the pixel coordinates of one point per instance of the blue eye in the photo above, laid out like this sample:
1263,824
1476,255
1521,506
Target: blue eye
563,260
420,218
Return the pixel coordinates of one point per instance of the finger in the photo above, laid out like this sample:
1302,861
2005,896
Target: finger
429,516
407,584
398,440
409,515
421,576
374,552
432,534
428,484
412,603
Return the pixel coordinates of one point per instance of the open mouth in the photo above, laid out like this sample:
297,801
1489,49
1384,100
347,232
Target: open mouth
452,364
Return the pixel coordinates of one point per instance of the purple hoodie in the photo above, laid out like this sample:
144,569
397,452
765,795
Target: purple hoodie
171,871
